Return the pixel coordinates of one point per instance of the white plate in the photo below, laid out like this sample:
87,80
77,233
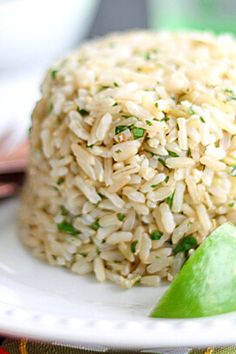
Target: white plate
49,303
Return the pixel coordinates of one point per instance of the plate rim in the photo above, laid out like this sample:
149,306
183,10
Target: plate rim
21,321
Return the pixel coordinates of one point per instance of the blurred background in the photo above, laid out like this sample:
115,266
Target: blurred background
34,33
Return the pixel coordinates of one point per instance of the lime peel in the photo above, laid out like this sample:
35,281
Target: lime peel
206,285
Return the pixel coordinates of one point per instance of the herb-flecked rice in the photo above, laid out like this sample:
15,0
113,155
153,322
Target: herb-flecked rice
133,155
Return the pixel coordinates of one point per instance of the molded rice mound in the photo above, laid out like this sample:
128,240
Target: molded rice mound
133,155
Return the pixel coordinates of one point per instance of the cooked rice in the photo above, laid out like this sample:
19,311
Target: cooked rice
133,149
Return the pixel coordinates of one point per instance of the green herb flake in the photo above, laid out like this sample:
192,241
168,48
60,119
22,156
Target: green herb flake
233,171
68,228
60,181
138,132
118,151
137,280
121,216
83,112
166,179
154,185
173,154
90,146
156,104
63,210
126,115
83,254
188,153
191,110
116,84
231,94
115,104
148,122
147,56
50,108
156,235
95,225
169,200
162,161
104,87
54,74
121,128
185,244
98,251
165,119
202,120
150,152
231,205
133,246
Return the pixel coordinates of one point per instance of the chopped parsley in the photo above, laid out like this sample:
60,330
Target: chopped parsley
133,246
68,228
191,110
126,115
188,153
202,120
95,225
231,94
156,104
154,185
233,171
90,146
105,87
83,254
162,161
138,132
121,128
185,244
50,109
116,84
147,56
118,151
63,210
173,154
151,153
148,122
169,200
115,104
54,74
83,112
231,205
166,179
165,119
121,216
156,235
60,181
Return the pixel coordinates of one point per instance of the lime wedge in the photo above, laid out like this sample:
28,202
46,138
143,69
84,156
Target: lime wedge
206,285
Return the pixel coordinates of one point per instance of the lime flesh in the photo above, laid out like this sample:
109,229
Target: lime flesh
206,285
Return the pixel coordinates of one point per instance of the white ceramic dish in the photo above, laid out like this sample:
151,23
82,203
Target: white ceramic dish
47,303
33,33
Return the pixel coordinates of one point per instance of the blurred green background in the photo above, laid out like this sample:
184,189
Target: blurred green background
215,15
